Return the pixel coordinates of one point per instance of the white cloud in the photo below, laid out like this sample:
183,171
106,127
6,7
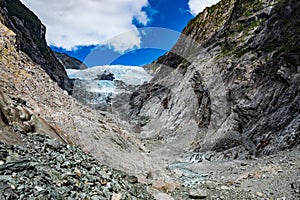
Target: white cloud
197,6
72,23
125,41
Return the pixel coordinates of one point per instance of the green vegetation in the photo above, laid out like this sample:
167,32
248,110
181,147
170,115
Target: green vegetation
240,28
213,8
255,24
257,5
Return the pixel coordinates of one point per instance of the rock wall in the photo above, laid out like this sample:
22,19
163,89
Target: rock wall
232,85
30,36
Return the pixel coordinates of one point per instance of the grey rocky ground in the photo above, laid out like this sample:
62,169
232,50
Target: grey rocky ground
43,168
269,177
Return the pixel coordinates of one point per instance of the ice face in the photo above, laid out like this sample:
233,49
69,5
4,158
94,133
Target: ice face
130,75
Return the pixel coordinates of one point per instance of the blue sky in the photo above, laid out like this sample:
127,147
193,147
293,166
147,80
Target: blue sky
127,32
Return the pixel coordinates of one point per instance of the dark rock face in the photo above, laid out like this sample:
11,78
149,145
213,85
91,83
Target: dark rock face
233,80
106,77
69,62
30,35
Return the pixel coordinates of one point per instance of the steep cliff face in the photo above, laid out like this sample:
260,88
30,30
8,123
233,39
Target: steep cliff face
30,35
232,83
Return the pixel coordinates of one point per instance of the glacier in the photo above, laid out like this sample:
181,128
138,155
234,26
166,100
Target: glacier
93,91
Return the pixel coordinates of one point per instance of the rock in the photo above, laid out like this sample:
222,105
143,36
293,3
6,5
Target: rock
77,172
23,120
69,62
30,35
97,198
209,83
259,194
106,76
39,189
223,187
198,194
53,144
132,179
116,196
15,166
41,176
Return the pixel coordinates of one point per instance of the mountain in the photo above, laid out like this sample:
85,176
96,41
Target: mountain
31,101
69,62
219,118
229,88
30,38
34,107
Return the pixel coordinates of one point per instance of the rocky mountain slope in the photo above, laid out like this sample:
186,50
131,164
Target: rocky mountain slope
32,102
69,62
232,84
228,91
28,92
30,38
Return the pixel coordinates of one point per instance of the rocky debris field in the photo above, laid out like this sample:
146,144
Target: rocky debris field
43,168
269,177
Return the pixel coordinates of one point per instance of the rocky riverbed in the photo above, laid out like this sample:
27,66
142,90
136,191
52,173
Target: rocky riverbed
43,168
269,177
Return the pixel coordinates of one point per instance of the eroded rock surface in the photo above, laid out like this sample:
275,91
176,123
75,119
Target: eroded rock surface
30,38
232,83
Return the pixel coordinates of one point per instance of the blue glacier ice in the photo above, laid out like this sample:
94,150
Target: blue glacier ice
130,75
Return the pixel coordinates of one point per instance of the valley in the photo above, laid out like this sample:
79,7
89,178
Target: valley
217,117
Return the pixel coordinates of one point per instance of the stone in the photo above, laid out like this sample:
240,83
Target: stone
77,172
198,194
132,179
224,187
259,194
116,196
78,182
39,189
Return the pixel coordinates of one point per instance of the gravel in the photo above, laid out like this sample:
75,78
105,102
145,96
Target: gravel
43,168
